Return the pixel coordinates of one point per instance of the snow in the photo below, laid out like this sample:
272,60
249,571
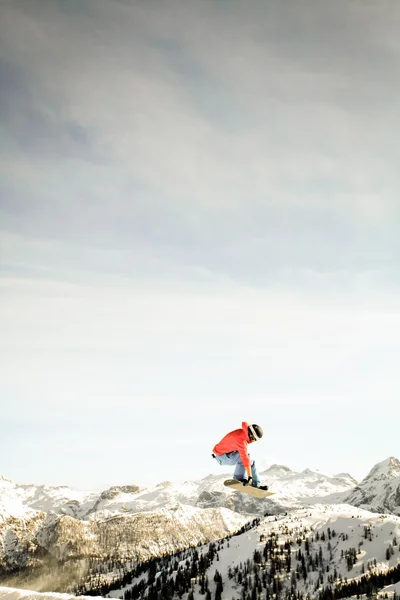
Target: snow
380,489
348,523
311,500
49,498
291,488
294,489
387,469
7,593
390,590
25,500
11,501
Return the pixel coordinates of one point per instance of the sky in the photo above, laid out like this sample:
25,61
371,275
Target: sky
199,225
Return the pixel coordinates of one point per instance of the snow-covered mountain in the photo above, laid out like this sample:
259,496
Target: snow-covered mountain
37,539
16,500
306,486
291,488
305,553
40,524
60,499
380,489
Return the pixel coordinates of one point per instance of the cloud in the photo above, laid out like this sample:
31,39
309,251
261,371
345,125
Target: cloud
183,141
199,216
216,129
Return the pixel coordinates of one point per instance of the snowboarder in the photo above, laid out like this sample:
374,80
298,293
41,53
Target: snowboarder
232,450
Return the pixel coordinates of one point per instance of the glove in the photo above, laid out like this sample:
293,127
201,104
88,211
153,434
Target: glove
248,481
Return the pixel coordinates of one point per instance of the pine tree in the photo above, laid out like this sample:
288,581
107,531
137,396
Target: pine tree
218,591
254,593
202,585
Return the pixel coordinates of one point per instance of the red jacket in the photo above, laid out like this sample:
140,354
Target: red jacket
235,440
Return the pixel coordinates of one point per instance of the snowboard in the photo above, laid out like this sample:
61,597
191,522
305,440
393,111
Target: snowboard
238,486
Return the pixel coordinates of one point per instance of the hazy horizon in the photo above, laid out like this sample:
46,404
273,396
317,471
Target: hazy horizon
102,485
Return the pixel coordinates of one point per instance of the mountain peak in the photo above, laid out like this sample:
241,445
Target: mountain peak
5,482
346,476
387,469
165,484
275,468
116,490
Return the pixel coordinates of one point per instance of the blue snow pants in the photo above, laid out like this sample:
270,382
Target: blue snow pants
233,458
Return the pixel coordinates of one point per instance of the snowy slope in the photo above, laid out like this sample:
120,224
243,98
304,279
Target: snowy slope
7,593
349,525
331,533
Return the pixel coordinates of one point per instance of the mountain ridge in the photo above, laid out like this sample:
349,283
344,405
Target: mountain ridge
42,523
